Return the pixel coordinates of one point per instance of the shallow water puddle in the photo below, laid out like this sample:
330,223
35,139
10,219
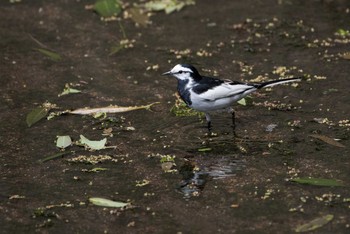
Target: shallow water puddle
195,174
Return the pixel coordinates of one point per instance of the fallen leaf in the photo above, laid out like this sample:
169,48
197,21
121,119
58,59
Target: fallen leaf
138,16
52,55
68,90
63,141
328,140
204,149
115,49
242,102
110,109
314,224
107,8
106,202
36,115
168,6
343,32
167,166
245,101
97,169
317,181
94,145
345,55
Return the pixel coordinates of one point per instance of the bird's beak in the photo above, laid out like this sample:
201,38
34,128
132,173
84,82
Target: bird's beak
167,73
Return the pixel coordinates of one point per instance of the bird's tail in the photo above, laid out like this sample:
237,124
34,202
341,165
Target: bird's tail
277,82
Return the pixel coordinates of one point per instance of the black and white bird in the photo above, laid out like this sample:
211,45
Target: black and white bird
207,94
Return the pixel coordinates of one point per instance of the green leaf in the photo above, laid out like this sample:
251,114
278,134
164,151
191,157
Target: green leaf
343,32
245,101
317,181
168,6
242,102
107,8
115,49
36,115
98,201
63,141
67,90
97,169
52,55
204,149
314,224
95,145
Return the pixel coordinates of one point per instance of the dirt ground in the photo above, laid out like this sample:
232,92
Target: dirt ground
217,184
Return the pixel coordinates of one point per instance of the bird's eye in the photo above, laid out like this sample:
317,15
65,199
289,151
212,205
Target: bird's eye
180,72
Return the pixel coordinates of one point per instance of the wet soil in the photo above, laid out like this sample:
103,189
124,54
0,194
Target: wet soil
216,184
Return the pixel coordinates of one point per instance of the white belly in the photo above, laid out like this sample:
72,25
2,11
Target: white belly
203,105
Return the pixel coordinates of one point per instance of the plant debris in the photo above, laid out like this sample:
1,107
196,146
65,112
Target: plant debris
180,109
95,159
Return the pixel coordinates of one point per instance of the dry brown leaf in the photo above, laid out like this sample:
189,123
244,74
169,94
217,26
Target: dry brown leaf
345,55
328,140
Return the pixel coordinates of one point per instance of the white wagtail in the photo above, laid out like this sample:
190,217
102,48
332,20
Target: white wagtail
208,94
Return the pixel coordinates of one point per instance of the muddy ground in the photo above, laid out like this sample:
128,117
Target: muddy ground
216,184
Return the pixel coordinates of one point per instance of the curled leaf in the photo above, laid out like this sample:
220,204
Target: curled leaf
98,201
94,145
68,90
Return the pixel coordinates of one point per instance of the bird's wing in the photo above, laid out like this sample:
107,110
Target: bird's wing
224,90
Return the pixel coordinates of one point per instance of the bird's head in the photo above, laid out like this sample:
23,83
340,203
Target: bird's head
183,72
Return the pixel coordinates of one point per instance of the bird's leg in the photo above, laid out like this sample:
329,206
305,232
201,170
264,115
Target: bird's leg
207,117
233,120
